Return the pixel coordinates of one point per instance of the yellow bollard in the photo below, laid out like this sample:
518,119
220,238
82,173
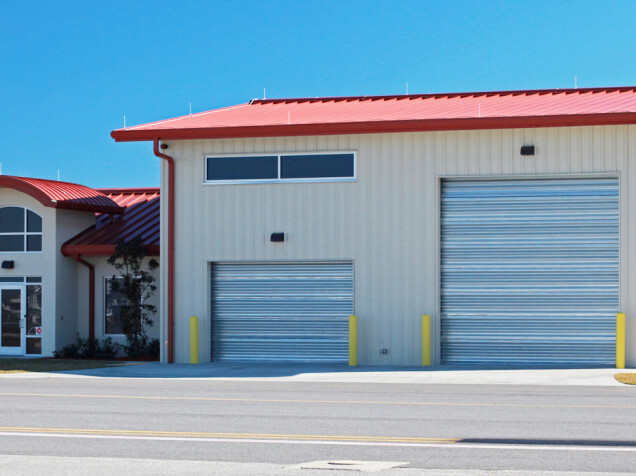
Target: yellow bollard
194,340
353,340
620,340
426,339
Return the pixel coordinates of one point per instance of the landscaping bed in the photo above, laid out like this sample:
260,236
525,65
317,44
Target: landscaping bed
628,378
52,365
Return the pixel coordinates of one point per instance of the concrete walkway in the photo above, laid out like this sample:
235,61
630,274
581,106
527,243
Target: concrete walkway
460,375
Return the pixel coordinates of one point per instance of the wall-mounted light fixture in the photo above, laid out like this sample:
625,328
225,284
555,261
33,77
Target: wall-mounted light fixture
164,146
8,264
527,150
277,237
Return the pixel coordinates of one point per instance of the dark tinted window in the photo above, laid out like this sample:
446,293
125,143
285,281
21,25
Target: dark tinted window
11,220
34,345
11,242
34,309
34,222
242,168
316,166
34,242
114,301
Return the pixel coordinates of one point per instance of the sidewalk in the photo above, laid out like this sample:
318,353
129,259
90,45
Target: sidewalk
460,375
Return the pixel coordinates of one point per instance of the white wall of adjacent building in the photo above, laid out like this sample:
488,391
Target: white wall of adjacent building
68,224
387,221
59,314
37,264
65,282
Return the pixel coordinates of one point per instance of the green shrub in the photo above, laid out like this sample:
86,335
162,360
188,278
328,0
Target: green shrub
89,349
153,349
71,351
108,349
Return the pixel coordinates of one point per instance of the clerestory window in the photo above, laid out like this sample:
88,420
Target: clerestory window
281,168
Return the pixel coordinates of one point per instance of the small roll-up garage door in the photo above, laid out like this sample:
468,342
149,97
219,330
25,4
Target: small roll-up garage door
530,271
281,312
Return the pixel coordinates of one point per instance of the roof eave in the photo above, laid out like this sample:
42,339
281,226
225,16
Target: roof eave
85,207
340,128
102,250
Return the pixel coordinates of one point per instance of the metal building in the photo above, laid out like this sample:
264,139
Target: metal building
505,216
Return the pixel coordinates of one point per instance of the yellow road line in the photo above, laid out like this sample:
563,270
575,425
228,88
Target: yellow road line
350,402
268,436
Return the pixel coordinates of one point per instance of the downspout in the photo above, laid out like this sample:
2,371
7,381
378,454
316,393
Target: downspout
91,295
170,244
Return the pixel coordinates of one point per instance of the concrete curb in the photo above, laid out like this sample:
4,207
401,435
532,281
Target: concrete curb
344,374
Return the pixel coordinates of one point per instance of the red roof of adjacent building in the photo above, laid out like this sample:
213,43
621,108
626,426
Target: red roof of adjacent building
140,219
64,195
398,113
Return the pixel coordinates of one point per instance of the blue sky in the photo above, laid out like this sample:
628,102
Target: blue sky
72,69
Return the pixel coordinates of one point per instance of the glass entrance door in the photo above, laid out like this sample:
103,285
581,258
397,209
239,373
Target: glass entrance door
12,321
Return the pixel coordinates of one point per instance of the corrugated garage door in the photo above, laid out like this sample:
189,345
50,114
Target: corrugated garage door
282,312
530,271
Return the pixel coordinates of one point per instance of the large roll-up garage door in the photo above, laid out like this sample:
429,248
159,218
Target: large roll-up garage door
281,312
529,271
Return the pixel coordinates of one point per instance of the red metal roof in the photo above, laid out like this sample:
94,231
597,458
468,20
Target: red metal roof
368,114
140,218
64,195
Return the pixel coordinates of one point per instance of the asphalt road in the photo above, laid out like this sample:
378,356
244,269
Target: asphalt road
580,429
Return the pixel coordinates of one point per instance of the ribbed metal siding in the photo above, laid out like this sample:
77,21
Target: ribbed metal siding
282,312
530,271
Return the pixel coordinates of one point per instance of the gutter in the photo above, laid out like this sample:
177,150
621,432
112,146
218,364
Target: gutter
91,295
170,244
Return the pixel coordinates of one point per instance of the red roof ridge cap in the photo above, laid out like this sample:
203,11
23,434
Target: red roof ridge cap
516,92
131,190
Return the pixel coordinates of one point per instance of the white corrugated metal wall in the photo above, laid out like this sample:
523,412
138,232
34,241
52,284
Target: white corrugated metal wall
387,222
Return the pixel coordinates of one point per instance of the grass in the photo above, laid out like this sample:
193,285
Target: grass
11,366
628,378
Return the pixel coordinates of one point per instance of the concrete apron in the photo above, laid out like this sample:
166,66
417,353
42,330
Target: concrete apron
335,373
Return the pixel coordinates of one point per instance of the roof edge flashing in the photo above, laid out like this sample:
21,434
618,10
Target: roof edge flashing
371,127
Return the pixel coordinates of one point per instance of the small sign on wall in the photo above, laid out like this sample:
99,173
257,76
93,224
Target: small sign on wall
38,331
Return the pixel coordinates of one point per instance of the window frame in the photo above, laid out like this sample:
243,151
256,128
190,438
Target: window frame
278,155
25,234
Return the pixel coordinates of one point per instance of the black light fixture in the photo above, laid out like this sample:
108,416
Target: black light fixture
527,150
277,237
164,146
8,264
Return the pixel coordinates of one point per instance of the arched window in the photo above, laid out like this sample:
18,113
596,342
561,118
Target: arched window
20,230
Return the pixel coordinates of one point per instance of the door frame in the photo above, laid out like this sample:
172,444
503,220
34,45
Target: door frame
21,350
